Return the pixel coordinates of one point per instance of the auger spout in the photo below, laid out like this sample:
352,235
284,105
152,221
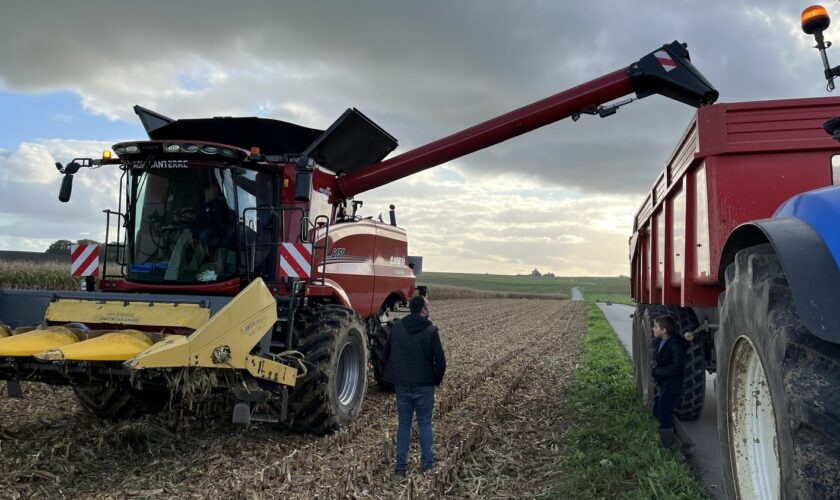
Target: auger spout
666,71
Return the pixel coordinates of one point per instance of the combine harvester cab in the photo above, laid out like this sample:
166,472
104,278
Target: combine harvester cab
240,263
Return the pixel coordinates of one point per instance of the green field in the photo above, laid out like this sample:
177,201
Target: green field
612,289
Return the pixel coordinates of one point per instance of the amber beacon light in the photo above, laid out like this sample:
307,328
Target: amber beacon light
815,20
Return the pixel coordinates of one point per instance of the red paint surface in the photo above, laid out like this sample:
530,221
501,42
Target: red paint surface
756,156
549,110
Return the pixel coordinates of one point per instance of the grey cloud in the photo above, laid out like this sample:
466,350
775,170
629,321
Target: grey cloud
422,70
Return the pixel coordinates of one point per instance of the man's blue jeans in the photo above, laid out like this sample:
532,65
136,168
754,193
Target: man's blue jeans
411,400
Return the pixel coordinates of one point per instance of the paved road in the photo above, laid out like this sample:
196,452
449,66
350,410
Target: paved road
577,294
705,455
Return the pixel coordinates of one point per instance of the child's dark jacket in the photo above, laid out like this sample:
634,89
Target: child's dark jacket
670,365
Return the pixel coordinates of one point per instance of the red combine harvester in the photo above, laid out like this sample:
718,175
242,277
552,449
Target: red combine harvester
243,260
739,240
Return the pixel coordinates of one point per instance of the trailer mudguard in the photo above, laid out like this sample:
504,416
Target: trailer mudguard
805,233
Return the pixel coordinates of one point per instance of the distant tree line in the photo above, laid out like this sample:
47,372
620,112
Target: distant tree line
62,247
536,274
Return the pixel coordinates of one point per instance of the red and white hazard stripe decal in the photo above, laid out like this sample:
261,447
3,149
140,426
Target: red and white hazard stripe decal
665,60
296,260
84,260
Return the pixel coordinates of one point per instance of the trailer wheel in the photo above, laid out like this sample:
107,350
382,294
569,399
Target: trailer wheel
690,405
778,388
377,355
330,395
642,356
116,401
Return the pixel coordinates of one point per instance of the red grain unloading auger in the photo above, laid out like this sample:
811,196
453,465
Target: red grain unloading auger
242,258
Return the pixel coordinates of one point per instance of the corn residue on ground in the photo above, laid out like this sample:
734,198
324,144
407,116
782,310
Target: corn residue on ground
499,425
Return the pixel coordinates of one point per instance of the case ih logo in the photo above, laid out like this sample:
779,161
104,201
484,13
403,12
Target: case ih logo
84,260
295,260
159,164
665,60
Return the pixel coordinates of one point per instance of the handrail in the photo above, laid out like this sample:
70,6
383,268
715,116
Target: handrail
118,245
277,213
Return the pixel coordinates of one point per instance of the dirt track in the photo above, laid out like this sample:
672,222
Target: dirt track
499,423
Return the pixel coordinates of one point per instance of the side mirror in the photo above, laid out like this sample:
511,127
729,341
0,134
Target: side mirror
66,188
303,185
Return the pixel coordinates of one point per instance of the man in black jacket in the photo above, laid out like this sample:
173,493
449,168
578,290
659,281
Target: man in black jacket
668,374
415,364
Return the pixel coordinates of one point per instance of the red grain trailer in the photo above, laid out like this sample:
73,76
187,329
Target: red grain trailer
716,246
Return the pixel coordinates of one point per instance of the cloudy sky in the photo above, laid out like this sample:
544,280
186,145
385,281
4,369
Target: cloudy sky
560,199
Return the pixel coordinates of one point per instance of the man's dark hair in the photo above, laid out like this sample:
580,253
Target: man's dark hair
668,323
416,304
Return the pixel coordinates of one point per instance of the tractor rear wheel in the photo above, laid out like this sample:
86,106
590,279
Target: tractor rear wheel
116,401
334,344
778,388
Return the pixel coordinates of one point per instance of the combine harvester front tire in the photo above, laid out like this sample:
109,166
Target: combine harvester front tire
330,395
120,401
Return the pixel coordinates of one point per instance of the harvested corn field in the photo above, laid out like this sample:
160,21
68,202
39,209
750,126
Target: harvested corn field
499,423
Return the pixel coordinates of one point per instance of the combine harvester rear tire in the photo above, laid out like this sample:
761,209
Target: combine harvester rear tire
330,395
377,355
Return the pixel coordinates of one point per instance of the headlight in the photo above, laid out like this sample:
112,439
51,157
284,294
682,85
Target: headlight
210,150
172,148
189,148
133,148
119,150
228,153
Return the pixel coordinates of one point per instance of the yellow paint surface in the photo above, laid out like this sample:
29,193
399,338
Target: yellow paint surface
114,346
35,341
134,313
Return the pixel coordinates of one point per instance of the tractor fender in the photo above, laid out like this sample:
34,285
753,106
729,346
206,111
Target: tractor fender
808,262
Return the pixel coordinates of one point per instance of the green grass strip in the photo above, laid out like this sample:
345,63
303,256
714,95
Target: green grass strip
613,448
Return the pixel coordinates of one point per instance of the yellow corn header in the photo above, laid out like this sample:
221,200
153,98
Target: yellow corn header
63,350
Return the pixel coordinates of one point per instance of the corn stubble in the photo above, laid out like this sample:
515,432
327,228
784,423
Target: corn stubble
499,422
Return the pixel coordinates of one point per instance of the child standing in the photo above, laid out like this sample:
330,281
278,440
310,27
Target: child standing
668,374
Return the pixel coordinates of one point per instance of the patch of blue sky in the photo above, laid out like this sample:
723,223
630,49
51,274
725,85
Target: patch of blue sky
56,115
450,174
193,81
